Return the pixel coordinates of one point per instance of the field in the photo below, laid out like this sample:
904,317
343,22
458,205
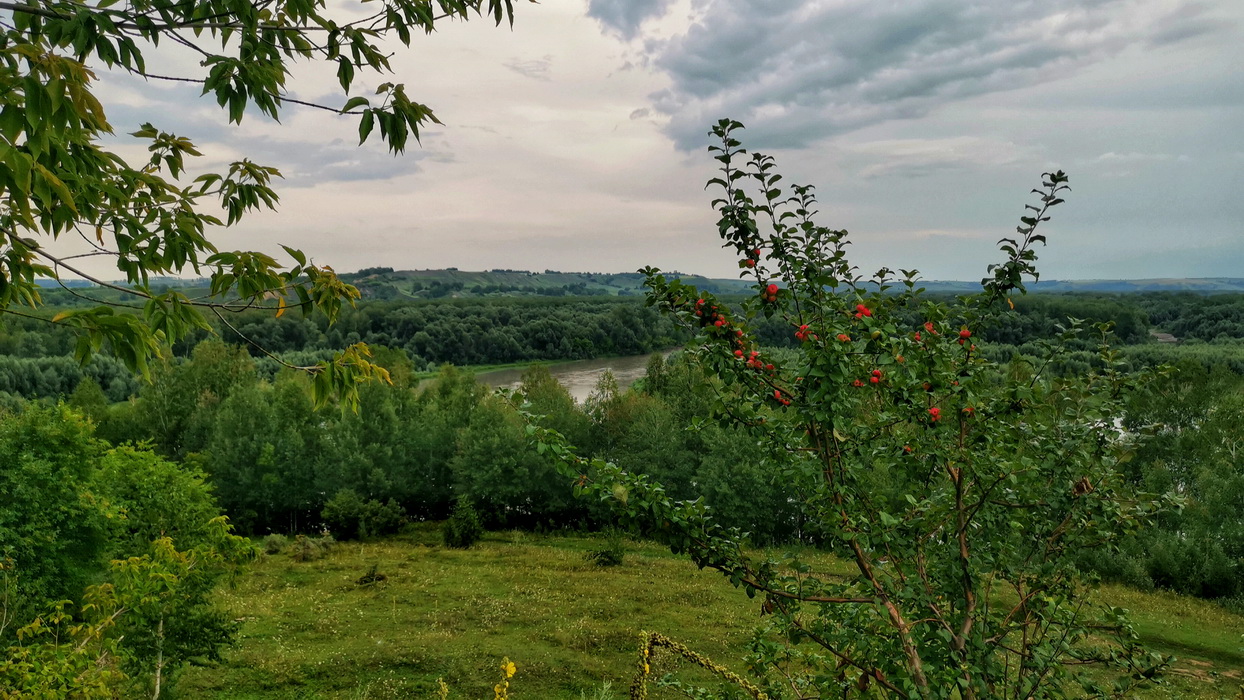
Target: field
311,632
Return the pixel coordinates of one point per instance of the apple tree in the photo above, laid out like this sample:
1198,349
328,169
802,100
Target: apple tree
955,491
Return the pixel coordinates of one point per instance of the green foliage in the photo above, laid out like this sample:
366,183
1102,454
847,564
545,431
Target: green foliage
169,617
349,517
58,174
1194,416
511,486
612,551
463,528
960,492
51,526
153,498
59,656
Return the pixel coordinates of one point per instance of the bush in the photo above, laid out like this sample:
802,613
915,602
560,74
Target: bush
305,549
612,553
275,544
348,515
463,528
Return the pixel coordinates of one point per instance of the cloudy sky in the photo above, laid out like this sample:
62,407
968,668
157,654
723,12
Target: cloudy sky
576,141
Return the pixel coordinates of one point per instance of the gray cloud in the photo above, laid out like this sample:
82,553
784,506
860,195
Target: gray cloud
640,113
303,162
797,71
911,158
623,17
534,68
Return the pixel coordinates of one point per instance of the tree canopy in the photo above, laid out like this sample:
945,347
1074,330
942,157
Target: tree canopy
60,180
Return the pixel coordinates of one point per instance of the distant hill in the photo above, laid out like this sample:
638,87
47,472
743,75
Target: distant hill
386,283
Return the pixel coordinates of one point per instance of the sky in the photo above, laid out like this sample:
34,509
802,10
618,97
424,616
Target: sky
576,140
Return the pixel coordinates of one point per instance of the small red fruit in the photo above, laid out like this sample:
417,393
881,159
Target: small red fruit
876,373
875,380
907,449
857,383
844,337
738,353
935,413
749,262
917,336
772,289
965,334
862,310
928,326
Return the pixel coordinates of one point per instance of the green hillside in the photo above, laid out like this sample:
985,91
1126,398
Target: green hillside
312,631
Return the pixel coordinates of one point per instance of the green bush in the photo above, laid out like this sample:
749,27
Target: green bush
463,528
275,544
350,517
613,552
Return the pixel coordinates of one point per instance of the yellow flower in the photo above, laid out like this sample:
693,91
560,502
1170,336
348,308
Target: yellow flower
646,668
509,668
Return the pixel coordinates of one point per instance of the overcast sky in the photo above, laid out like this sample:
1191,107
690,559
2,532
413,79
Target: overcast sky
576,141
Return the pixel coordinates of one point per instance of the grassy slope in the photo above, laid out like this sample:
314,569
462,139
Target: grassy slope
310,632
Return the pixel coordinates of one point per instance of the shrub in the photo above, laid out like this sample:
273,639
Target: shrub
305,549
350,517
463,528
275,544
612,553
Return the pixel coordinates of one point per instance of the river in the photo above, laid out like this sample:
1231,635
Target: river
580,376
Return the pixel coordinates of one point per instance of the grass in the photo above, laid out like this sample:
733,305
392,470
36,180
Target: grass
311,632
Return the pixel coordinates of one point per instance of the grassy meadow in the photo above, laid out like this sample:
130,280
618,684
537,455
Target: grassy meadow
310,631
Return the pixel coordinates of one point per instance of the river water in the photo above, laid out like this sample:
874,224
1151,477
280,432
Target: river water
579,377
